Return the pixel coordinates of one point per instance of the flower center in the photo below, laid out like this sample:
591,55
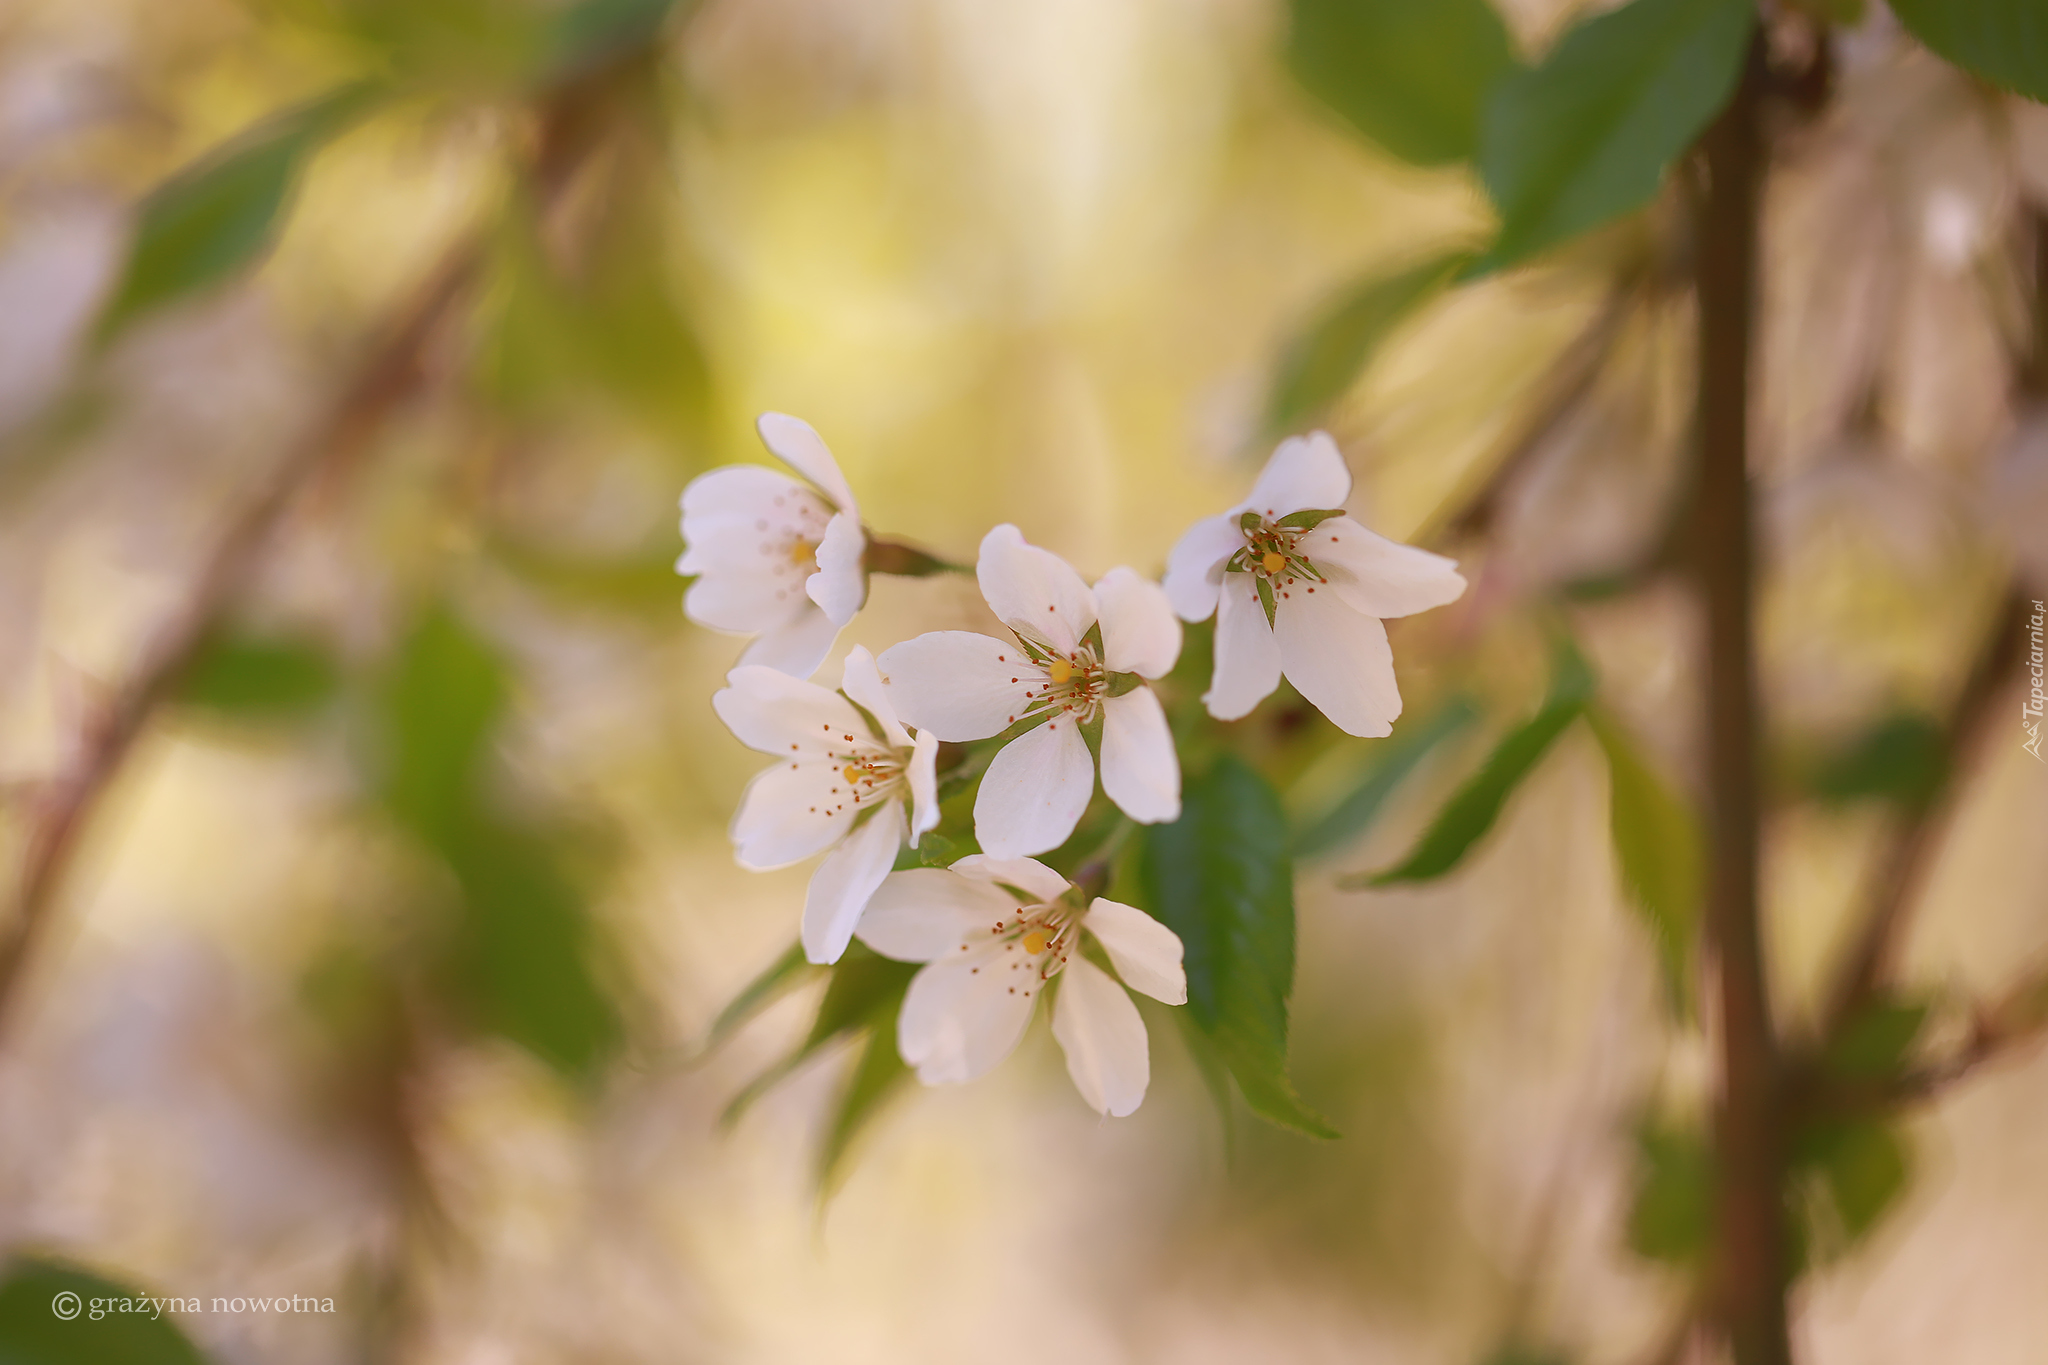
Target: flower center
1073,686
866,772
1046,933
1272,554
803,553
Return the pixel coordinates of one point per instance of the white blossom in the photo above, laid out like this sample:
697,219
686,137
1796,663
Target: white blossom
839,782
774,558
995,932
1076,654
1305,599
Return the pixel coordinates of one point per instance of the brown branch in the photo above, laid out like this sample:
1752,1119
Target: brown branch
1749,1221
389,375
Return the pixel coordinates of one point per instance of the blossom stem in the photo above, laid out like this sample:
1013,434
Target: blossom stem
906,561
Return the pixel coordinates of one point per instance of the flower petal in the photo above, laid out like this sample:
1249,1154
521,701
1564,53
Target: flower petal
1140,633
1377,576
770,711
1026,874
922,771
1306,471
841,886
1104,1039
839,586
1147,954
1339,660
1194,569
1247,660
862,682
790,811
1034,791
746,603
957,684
797,646
1032,591
964,1014
802,449
926,913
1140,770
748,490
744,519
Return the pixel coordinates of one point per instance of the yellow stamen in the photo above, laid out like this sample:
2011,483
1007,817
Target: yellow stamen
1035,941
852,772
803,552
1273,560
1059,672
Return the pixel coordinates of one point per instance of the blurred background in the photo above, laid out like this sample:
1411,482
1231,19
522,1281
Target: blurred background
382,967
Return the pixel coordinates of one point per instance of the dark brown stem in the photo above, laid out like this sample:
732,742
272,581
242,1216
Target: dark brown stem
391,373
1750,1245
894,557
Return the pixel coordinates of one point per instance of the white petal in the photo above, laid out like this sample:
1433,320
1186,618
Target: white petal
1026,874
797,646
744,519
1140,633
1306,471
1147,954
746,603
964,1014
1034,791
1247,659
1104,1039
790,811
1194,569
922,771
736,490
839,587
1339,660
862,682
802,449
926,913
1032,591
1140,771
841,886
1377,576
957,684
777,714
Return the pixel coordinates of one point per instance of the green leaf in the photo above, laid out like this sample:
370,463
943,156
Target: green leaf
1672,1216
440,707
865,991
259,678
1220,877
2002,41
524,957
1331,352
1657,838
36,1291
594,32
1471,811
1392,760
778,979
877,1074
1903,759
1585,137
221,214
1215,1074
1863,1167
1411,76
1873,1044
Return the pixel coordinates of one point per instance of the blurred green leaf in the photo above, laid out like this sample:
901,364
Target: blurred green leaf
1412,77
1861,1169
1392,760
590,33
1658,840
525,954
878,1073
1328,355
1672,1216
778,979
1221,878
1521,1353
1874,1043
1585,137
1473,808
865,990
260,678
32,1332
2002,41
1903,759
222,213
440,707
1215,1074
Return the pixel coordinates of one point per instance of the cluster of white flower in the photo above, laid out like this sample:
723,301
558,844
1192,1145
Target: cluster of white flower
1296,586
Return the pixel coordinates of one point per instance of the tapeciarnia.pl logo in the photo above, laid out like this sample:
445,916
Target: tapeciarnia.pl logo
2030,715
